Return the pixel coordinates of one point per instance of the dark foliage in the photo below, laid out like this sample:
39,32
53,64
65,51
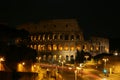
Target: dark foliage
16,54
79,56
15,75
100,56
11,51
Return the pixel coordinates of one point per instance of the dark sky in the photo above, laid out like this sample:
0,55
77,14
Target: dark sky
96,17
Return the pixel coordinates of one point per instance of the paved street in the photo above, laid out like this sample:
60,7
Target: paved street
88,73
115,76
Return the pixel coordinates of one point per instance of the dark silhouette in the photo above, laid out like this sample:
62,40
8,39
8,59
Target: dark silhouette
79,56
15,75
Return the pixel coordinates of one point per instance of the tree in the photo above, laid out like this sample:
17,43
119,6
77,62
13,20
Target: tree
100,56
79,56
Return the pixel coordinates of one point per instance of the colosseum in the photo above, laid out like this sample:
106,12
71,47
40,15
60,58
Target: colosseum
60,38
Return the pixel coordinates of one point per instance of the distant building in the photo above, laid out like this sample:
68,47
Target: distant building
61,38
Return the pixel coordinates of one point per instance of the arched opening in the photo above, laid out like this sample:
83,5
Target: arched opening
61,37
72,59
39,37
35,47
72,37
46,36
31,38
66,37
49,47
78,47
66,48
34,38
50,58
67,57
31,46
54,47
44,57
54,57
60,47
72,48
77,37
55,37
50,36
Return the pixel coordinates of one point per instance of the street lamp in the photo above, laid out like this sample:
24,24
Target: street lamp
86,57
105,60
1,65
105,70
2,59
21,67
38,58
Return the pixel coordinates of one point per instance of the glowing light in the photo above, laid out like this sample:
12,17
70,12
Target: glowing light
104,79
78,68
91,48
2,59
1,64
21,67
23,63
116,54
70,68
54,47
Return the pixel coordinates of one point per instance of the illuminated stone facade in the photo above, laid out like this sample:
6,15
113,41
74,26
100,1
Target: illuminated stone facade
62,37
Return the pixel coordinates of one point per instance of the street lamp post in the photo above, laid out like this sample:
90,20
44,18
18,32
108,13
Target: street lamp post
105,70
1,65
105,61
75,74
63,63
86,57
38,59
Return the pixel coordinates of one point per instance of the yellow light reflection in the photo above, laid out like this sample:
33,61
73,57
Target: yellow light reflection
21,67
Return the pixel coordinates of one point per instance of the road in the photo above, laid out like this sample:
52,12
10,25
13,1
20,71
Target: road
88,74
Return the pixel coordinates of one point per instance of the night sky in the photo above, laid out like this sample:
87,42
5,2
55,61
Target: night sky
99,18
